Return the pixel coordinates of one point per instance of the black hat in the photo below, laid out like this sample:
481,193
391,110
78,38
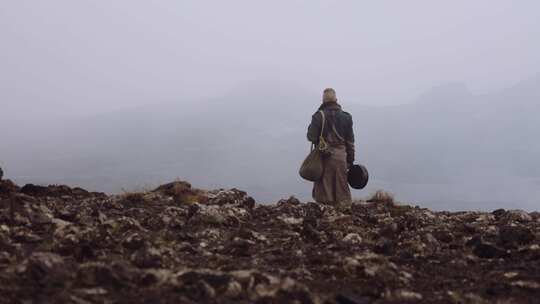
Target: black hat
358,176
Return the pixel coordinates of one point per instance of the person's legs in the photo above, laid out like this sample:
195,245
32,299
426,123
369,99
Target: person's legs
333,186
323,190
341,188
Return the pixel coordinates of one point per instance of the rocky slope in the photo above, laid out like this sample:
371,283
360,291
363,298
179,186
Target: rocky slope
177,244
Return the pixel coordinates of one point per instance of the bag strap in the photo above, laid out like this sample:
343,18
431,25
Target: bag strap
333,128
323,122
337,134
322,143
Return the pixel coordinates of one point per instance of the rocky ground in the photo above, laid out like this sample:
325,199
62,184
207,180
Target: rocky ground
177,244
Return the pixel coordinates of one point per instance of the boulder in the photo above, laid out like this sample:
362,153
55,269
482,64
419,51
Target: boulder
488,251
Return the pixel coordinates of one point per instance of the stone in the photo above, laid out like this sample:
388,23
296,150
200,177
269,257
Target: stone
515,235
385,246
64,245
488,251
44,268
352,239
517,215
133,241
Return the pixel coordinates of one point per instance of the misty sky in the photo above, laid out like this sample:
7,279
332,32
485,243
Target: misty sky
96,56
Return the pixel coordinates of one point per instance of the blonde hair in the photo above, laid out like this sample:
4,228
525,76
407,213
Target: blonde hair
329,95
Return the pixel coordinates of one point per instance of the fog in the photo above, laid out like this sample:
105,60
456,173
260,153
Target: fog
123,95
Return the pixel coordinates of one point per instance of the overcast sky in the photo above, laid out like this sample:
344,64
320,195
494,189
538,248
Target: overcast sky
94,56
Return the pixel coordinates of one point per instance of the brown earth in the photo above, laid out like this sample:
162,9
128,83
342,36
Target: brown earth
182,245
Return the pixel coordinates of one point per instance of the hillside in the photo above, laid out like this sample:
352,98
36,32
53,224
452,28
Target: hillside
177,244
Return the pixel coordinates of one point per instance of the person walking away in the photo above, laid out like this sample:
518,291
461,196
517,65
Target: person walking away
333,187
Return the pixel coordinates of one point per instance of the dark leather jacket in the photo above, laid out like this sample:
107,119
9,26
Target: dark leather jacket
335,118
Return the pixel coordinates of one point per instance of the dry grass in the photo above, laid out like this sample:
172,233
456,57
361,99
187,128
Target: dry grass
182,192
133,198
381,196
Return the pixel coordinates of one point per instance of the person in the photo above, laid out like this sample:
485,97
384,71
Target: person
333,187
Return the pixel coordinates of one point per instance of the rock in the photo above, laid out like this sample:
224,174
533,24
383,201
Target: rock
233,197
488,251
66,245
5,259
79,192
351,298
352,239
310,233
35,190
234,290
510,275
147,257
291,220
474,241
526,284
115,275
443,236
515,235
133,241
240,247
403,295
209,284
498,213
210,215
44,268
430,239
516,215
95,273
291,201
386,247
389,230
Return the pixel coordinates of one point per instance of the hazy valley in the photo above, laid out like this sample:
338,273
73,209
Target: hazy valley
446,147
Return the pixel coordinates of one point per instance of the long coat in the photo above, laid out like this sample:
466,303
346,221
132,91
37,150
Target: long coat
333,187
